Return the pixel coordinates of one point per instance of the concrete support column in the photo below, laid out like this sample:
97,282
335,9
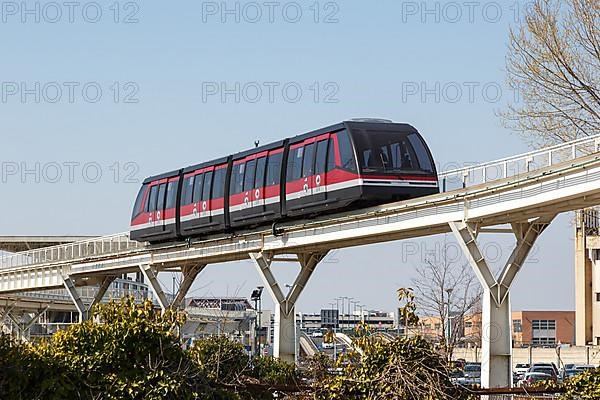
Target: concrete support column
496,337
496,341
151,276
285,338
72,290
189,275
284,335
583,285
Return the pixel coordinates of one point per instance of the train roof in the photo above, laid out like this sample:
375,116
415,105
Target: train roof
365,123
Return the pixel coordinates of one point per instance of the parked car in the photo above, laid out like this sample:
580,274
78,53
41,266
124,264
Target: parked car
520,370
546,364
544,369
532,377
473,371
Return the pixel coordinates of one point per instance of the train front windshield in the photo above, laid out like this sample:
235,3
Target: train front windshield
392,153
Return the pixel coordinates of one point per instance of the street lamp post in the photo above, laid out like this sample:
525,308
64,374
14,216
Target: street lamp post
257,298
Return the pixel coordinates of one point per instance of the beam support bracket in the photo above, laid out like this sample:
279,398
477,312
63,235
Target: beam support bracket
496,336
285,346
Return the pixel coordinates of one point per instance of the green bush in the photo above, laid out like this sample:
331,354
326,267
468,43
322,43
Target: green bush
404,369
583,386
273,371
220,358
132,354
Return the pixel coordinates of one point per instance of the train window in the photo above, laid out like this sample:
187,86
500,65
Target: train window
152,203
197,188
160,203
187,191
321,159
294,167
172,194
207,186
308,165
274,169
261,164
385,151
423,156
219,183
249,175
330,156
237,179
346,151
137,208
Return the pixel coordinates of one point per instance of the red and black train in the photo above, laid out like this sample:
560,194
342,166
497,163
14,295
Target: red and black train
352,164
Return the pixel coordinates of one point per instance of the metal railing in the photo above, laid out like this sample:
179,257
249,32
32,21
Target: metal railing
87,293
518,164
102,246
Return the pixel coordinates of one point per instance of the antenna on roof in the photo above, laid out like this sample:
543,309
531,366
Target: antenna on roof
256,143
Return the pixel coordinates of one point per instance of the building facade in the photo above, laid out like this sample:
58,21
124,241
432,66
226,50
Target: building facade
529,328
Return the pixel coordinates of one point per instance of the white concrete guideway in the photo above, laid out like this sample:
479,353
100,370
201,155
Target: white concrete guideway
527,201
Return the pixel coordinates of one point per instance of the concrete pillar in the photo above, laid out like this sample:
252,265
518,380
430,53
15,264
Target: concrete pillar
285,341
496,338
496,342
583,286
284,347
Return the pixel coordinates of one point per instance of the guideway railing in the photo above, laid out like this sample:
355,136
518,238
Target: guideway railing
120,243
112,245
515,165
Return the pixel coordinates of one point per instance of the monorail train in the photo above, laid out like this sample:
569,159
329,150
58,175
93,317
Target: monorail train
352,164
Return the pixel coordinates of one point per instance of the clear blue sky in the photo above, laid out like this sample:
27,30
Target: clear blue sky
435,66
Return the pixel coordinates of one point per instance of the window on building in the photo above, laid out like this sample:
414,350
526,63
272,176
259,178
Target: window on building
543,332
543,324
468,324
517,325
542,341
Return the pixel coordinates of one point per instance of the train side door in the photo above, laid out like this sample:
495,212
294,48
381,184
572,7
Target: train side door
170,209
258,197
308,168
147,213
320,171
159,214
205,205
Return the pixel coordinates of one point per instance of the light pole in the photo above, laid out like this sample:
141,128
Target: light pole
349,301
256,296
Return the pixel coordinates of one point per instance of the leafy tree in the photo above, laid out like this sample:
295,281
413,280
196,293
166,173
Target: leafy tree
274,371
220,358
132,354
404,369
583,386
554,63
